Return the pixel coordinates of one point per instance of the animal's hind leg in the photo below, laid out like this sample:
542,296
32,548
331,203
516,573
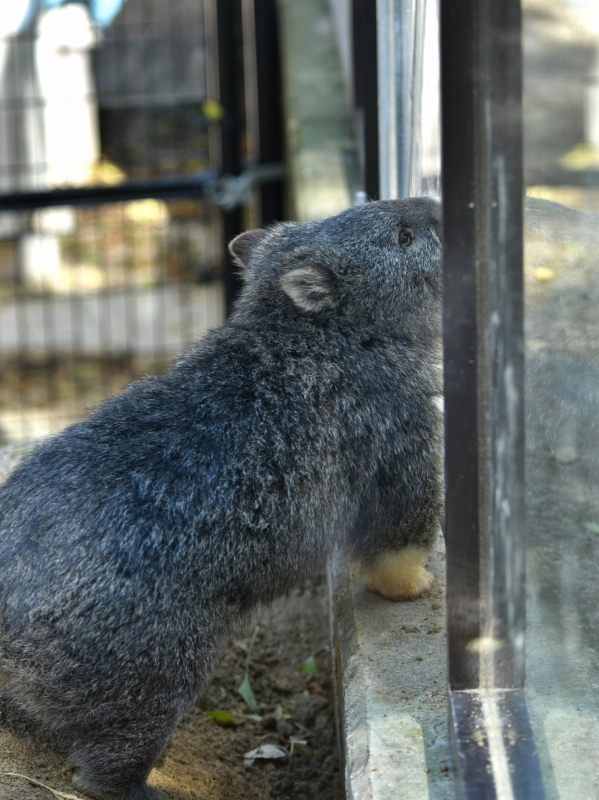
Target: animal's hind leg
138,791
116,764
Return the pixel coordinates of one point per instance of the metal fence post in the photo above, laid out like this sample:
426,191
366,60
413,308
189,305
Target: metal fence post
224,78
365,77
493,744
264,112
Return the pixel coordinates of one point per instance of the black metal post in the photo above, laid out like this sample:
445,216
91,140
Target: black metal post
483,196
269,116
460,324
226,90
365,73
484,419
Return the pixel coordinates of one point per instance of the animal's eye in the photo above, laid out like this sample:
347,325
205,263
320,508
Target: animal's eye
405,238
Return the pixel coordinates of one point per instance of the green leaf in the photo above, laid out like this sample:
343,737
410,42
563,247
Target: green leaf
254,717
250,648
309,666
591,526
222,717
245,690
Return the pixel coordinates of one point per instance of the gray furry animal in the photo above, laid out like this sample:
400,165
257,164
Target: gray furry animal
132,542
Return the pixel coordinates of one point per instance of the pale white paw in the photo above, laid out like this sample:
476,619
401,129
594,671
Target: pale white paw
400,575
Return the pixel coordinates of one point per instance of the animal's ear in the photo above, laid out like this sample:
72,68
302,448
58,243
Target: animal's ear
241,246
311,287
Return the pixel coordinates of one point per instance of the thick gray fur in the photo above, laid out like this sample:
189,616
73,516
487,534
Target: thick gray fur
132,542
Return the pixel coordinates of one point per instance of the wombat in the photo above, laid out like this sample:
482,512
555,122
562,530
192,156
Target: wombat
132,542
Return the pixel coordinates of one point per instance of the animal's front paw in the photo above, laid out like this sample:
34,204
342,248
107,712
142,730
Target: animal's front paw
400,575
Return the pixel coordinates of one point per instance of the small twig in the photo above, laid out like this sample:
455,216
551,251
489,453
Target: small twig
58,795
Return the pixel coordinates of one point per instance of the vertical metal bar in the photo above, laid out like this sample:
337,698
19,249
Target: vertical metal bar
212,79
494,751
401,39
223,76
390,96
269,104
365,73
103,296
482,186
460,342
250,75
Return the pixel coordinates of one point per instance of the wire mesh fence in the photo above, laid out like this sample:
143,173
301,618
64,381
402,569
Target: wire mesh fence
92,296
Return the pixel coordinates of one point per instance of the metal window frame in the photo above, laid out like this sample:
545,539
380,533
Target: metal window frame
481,98
481,78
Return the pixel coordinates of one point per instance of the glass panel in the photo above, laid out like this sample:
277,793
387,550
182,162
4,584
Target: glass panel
561,128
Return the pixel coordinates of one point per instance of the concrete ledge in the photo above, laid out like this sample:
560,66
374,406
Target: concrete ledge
391,673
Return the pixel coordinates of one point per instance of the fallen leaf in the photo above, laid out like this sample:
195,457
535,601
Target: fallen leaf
566,454
282,685
591,526
544,274
284,710
266,751
300,746
245,690
221,717
314,687
309,666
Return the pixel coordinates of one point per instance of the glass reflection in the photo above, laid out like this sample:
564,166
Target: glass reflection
561,125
